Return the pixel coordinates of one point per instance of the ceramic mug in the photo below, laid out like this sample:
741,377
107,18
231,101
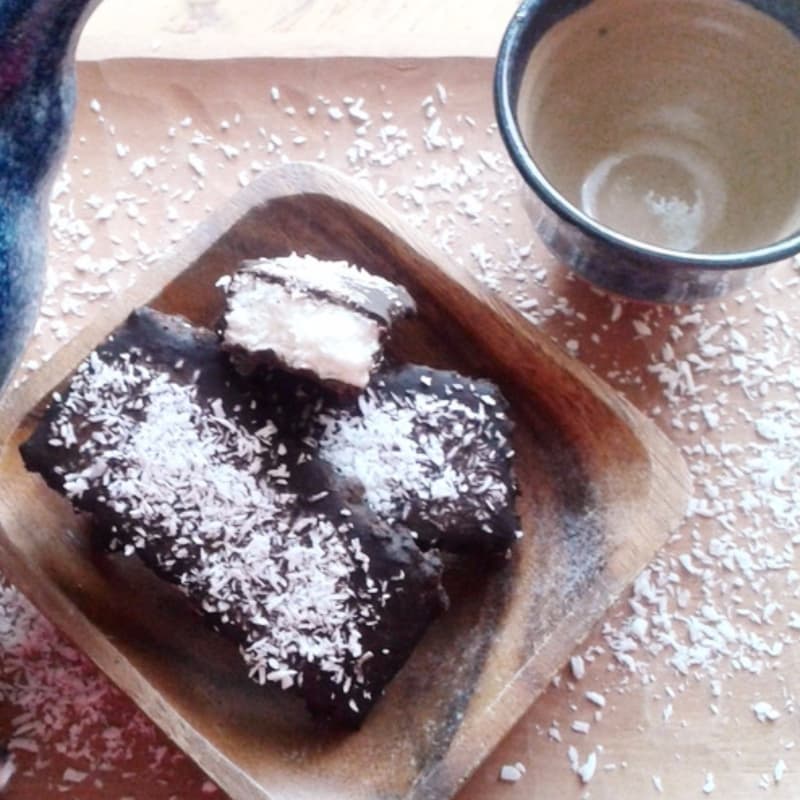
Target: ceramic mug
659,140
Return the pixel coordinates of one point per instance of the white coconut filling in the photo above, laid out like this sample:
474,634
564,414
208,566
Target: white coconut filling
303,331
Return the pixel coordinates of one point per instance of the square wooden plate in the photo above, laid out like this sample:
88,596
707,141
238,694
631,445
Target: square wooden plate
601,490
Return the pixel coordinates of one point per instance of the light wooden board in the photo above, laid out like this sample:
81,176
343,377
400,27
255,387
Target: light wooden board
206,29
601,490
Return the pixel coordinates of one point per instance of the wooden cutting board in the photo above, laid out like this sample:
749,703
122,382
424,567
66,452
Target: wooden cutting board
601,490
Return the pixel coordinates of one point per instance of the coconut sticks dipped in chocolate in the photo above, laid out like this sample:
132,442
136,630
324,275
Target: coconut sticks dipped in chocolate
180,461
432,450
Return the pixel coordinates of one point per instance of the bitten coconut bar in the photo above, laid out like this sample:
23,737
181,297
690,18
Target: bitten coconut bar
326,319
181,463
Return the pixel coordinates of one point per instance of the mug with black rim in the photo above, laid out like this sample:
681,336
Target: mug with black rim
658,140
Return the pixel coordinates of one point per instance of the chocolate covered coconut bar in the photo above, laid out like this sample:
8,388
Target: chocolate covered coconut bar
326,319
432,449
427,448
182,462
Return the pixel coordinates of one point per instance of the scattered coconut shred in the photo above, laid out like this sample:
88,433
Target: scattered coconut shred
66,707
718,604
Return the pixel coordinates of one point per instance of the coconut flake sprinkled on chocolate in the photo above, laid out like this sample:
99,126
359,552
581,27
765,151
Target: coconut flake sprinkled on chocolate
284,572
432,449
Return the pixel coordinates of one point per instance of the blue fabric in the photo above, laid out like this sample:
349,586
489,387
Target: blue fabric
37,90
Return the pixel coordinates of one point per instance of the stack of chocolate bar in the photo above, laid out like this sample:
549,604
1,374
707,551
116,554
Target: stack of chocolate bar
291,484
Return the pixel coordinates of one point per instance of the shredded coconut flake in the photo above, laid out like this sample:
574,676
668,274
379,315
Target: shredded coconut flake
397,446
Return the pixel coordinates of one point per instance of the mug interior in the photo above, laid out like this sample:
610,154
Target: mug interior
674,124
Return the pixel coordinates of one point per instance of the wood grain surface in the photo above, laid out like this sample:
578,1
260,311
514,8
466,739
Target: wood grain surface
601,490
